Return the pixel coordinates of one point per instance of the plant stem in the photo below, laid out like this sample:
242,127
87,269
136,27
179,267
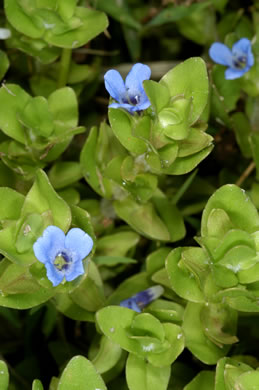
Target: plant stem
246,173
64,67
184,187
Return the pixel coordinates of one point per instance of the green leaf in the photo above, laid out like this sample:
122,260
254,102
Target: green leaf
11,203
85,25
118,11
129,287
89,166
79,73
111,261
117,244
254,141
248,380
36,48
158,94
26,300
166,311
107,348
186,164
156,260
196,141
23,19
16,279
42,198
37,385
4,376
218,223
141,375
70,195
147,325
36,116
82,219
64,108
223,366
122,124
142,218
175,337
64,173
65,305
116,323
196,341
66,8
28,230
175,119
168,154
224,277
199,26
203,381
239,298
80,374
113,322
227,90
4,64
181,279
190,80
175,13
243,131
171,216
89,293
236,204
219,323
249,275
14,100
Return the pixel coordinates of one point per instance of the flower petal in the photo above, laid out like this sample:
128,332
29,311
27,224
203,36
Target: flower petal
130,304
144,297
126,106
134,80
79,242
114,84
220,54
231,74
74,270
143,105
242,46
47,246
53,274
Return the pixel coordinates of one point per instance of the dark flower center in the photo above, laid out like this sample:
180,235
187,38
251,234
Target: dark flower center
133,100
62,261
239,62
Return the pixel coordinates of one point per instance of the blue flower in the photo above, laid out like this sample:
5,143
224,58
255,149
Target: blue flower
62,254
239,60
129,95
143,298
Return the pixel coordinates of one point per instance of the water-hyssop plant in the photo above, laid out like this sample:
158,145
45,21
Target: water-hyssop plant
239,59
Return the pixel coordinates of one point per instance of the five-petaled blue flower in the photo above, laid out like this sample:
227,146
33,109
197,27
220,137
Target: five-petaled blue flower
239,60
62,254
129,95
138,301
